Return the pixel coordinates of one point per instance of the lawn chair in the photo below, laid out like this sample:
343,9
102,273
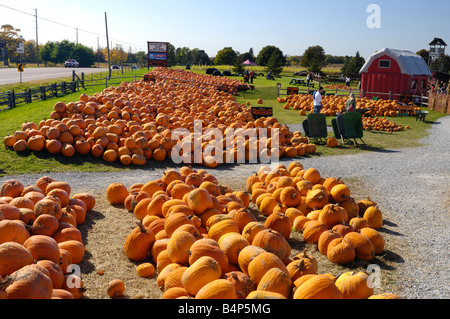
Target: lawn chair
316,127
349,127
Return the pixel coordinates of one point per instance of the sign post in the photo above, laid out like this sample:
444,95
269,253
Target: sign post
157,54
20,51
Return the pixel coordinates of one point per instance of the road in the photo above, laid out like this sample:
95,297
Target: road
11,75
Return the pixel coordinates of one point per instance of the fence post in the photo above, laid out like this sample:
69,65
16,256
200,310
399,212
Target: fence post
12,99
82,79
106,82
29,98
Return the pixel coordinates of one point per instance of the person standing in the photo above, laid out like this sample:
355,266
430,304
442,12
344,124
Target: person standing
308,78
252,75
351,103
317,96
347,81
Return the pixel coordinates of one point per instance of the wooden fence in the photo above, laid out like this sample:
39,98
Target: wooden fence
10,99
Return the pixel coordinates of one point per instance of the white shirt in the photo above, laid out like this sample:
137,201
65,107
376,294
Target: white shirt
317,98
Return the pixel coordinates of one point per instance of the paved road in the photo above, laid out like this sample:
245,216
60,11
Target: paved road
11,75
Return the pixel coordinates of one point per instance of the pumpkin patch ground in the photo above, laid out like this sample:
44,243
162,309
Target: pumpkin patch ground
315,220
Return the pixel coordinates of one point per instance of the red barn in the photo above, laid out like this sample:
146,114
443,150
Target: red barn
394,74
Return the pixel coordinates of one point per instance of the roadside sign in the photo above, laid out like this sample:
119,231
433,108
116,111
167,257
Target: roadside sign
21,48
20,67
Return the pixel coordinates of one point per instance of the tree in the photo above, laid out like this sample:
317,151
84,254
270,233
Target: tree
425,54
226,56
354,65
442,64
30,51
238,67
266,53
314,58
45,53
63,51
10,36
84,55
276,62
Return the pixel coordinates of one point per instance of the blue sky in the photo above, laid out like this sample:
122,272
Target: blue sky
340,27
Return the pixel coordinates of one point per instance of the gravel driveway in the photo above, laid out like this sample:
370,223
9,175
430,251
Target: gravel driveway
411,187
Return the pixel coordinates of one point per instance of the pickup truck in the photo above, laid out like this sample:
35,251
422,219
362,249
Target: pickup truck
71,63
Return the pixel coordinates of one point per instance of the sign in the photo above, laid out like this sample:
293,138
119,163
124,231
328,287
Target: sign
21,48
157,54
20,67
259,112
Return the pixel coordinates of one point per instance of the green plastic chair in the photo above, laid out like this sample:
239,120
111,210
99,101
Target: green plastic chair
316,127
354,129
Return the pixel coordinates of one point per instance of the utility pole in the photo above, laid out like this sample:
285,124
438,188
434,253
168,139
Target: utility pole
107,42
37,39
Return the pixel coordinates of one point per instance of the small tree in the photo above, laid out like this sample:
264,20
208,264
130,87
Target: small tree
238,67
314,58
276,62
354,65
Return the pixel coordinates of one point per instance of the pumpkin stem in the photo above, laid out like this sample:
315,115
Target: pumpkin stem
142,227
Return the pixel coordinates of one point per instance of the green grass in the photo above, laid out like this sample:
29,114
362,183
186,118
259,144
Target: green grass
12,163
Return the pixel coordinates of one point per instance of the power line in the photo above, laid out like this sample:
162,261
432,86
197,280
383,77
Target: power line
67,26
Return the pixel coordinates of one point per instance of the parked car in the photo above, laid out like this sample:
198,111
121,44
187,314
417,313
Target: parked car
115,67
71,63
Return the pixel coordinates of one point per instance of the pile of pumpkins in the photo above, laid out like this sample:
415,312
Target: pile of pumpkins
382,125
227,84
333,105
135,122
200,239
40,241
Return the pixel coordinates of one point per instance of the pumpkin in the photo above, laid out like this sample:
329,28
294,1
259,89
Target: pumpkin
217,289
318,287
341,251
246,256
300,267
232,244
290,197
243,217
175,293
55,272
45,225
243,283
116,193
75,248
66,234
332,215
325,239
313,230
277,281
208,247
316,199
61,294
359,223
200,201
364,248
257,294
340,193
351,207
86,198
260,264
179,245
355,285
203,271
42,247
272,241
375,237
332,142
9,211
374,217
385,296
27,283
221,228
174,278
116,288
280,223
48,206
138,244
13,256
312,175
13,231
11,188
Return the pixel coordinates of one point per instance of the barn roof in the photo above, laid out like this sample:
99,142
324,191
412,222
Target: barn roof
410,63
